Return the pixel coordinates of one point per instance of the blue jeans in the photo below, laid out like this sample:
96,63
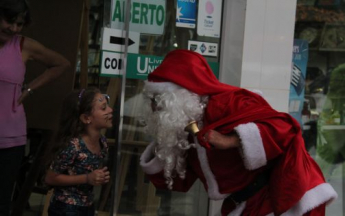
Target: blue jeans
57,208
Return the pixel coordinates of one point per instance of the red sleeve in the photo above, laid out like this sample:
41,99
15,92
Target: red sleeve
153,168
276,136
181,185
264,140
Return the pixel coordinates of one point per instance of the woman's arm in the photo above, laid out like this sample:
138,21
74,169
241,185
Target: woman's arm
56,64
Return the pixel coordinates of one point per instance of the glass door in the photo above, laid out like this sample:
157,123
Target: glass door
320,49
149,30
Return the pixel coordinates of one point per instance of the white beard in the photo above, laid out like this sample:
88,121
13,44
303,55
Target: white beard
166,125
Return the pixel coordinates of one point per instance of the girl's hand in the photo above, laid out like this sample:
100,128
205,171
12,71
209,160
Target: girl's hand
220,141
98,176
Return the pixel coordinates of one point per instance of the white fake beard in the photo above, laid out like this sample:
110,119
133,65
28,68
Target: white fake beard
175,110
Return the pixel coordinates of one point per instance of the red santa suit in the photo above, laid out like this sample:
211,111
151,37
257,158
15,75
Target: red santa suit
271,142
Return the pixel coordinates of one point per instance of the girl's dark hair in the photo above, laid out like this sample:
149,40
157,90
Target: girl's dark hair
10,10
70,126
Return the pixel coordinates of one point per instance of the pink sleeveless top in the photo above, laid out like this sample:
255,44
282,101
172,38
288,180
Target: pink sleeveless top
12,115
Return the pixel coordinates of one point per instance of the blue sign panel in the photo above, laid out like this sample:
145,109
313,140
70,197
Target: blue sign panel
298,76
186,13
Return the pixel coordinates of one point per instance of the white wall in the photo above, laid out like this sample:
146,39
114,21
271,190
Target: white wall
257,41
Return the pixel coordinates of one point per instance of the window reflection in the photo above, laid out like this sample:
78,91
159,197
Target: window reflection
321,24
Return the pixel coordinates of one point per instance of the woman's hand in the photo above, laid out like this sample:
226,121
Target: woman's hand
98,176
220,141
24,95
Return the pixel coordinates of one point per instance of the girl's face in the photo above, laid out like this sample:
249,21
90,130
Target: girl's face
10,28
102,114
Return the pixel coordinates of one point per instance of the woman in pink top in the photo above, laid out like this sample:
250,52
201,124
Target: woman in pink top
15,52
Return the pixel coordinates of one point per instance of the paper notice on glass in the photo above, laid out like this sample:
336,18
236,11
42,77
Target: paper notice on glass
298,77
209,18
186,13
203,48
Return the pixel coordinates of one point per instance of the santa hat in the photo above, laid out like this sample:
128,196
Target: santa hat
187,69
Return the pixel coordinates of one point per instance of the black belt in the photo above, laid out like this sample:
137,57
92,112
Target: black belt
251,189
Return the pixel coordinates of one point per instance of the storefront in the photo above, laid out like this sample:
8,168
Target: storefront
293,52
319,29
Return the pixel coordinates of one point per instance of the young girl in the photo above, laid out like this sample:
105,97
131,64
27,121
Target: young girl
78,152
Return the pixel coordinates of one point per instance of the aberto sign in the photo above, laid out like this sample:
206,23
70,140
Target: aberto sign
146,16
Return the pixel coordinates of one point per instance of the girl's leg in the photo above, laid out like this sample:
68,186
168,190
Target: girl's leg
57,208
62,209
90,211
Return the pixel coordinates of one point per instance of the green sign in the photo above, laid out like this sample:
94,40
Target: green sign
138,66
146,16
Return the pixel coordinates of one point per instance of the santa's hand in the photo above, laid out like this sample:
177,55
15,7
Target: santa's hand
221,141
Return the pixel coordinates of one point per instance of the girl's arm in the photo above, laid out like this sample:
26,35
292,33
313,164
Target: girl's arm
55,179
96,177
56,64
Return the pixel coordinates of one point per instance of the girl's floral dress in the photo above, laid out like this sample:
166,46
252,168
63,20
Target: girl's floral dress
76,159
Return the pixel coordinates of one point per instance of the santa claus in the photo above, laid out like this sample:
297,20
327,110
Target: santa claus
246,153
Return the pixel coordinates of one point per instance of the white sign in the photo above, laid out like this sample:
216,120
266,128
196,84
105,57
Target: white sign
114,40
112,63
209,18
146,16
203,48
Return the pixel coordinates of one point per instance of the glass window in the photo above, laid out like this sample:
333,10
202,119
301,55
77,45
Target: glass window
135,194
319,73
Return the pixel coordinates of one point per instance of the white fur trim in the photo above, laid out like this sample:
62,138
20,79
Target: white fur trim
253,151
213,190
150,166
238,210
323,193
161,87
